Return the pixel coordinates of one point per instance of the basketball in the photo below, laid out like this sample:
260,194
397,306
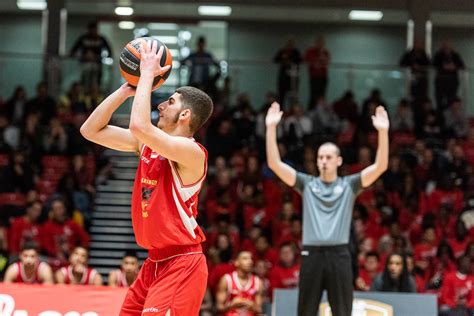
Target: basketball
130,62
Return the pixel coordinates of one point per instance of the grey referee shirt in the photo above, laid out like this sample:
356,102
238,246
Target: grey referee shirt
327,208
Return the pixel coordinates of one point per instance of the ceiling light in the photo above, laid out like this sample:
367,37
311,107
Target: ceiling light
163,26
167,39
31,4
126,25
124,10
214,10
365,15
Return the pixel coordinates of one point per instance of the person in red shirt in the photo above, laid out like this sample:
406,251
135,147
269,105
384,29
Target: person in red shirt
30,269
61,235
128,272
460,240
78,272
286,273
368,272
240,293
26,228
171,170
263,251
457,290
318,59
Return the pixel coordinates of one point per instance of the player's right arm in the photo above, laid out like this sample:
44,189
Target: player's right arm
285,172
11,273
46,274
221,296
97,129
112,279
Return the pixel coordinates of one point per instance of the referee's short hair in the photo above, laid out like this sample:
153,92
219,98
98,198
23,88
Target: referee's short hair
338,151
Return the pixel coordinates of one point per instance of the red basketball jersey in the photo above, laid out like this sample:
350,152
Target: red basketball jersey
21,274
235,289
121,278
164,210
87,278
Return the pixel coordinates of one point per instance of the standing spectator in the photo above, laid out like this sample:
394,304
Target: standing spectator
418,61
26,228
289,59
128,272
90,48
457,296
78,271
447,63
199,63
42,104
328,202
395,277
62,235
240,292
30,269
318,59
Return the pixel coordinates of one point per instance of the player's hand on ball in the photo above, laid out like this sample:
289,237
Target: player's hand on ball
273,115
380,119
150,59
127,89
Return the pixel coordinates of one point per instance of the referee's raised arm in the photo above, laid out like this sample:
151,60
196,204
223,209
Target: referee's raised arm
286,173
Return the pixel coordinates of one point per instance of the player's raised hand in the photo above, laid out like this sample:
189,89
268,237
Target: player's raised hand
150,57
380,119
273,115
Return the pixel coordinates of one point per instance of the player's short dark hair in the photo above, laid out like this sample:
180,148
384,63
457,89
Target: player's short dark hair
130,253
200,104
373,254
30,245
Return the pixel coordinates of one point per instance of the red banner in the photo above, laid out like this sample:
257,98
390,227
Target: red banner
59,300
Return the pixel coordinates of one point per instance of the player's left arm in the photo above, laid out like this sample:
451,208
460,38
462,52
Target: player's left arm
182,150
97,279
46,274
381,122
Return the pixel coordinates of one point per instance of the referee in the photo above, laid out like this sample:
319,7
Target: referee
328,201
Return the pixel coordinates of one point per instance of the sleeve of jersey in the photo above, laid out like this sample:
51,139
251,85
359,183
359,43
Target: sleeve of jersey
355,181
301,180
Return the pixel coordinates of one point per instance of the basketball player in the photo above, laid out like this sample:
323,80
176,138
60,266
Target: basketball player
172,168
128,272
78,272
328,201
30,269
240,292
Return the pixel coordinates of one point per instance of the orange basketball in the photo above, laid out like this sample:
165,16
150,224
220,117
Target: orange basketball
130,62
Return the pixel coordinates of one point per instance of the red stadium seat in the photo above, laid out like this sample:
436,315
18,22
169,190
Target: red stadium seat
55,162
14,199
4,160
46,187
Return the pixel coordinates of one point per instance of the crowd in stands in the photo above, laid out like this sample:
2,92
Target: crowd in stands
411,230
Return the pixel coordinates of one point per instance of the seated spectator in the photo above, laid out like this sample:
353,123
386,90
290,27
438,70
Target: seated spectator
285,274
457,295
42,104
55,139
264,251
395,276
78,272
461,239
31,138
455,120
240,292
30,269
128,272
15,106
324,119
468,146
368,272
441,265
261,271
74,101
26,228
18,175
346,108
61,234
402,121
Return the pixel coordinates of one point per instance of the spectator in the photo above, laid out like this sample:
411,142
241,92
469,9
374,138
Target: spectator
368,272
199,63
128,272
264,251
447,63
455,120
30,269
26,228
318,59
457,297
9,135
403,121
16,106
346,108
418,61
78,272
461,239
395,277
31,138
261,271
240,292
75,101
55,139
62,235
324,119
442,264
18,175
90,48
289,59
42,104
285,274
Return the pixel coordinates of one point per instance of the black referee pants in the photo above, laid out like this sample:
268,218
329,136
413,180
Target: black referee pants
325,268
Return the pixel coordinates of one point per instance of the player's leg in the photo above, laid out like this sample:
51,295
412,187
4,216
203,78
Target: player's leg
179,287
137,293
311,282
339,285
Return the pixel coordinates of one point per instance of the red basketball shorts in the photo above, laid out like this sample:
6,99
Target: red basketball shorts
177,284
